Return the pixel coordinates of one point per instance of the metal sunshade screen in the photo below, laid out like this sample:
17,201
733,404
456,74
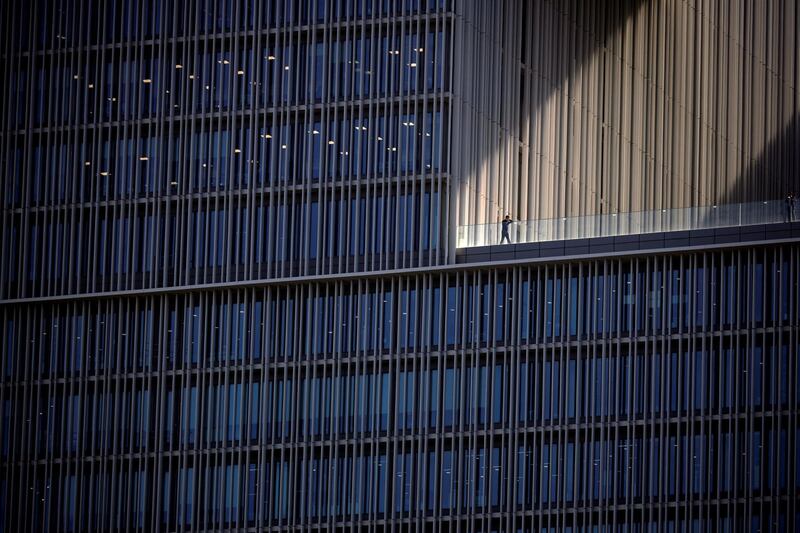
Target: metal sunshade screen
613,392
221,141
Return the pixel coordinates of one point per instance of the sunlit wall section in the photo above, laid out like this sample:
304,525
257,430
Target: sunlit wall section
485,106
625,106
647,105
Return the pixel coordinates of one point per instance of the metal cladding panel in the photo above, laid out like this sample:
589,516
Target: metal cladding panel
569,108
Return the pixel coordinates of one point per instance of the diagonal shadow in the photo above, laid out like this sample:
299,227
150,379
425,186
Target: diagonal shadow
571,34
774,172
768,176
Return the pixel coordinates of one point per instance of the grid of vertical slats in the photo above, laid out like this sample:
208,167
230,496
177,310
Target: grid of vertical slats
630,392
568,108
148,145
238,140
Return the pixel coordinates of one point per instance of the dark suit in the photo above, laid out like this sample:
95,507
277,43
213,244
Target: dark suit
506,223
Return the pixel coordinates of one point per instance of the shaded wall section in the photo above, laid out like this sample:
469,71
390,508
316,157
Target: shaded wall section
603,107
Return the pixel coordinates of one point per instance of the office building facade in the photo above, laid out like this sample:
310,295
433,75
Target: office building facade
232,297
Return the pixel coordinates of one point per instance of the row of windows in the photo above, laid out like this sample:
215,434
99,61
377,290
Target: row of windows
70,24
222,242
454,395
671,294
300,152
205,81
405,481
696,412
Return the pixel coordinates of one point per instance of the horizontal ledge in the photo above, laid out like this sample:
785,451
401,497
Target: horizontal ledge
347,276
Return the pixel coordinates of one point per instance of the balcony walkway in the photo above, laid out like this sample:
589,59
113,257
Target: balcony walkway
627,224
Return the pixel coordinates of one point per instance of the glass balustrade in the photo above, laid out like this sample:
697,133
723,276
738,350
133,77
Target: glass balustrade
616,224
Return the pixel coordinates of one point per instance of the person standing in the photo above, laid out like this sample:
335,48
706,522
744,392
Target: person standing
506,224
790,202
